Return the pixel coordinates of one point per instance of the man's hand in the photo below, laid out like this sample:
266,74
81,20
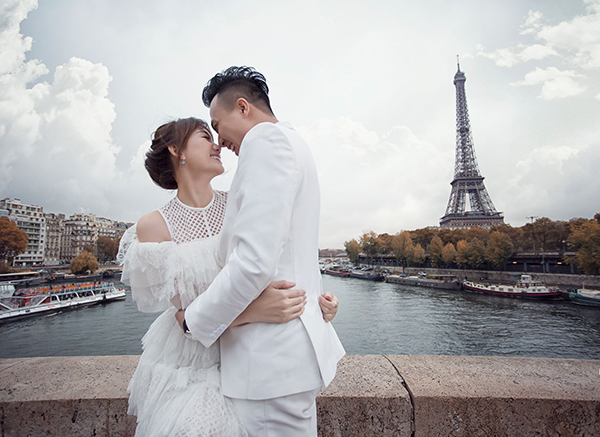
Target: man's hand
180,315
329,305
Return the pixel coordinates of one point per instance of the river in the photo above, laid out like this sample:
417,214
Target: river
374,318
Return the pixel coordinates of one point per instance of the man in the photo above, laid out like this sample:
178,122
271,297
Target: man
272,372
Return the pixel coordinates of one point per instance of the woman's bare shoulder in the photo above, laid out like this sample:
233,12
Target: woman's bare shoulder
152,228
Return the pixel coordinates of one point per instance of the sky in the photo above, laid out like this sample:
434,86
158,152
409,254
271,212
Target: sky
83,84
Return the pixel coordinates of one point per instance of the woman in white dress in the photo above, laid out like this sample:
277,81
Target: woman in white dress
169,257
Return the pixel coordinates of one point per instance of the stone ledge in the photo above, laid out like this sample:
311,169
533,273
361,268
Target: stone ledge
372,395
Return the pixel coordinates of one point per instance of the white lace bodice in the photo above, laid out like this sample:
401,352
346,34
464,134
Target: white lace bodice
184,266
186,223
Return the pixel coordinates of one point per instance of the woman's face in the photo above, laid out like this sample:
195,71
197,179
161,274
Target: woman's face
202,155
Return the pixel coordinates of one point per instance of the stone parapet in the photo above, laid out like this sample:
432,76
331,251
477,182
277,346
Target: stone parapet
372,395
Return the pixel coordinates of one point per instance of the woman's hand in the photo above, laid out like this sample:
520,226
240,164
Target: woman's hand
278,303
329,305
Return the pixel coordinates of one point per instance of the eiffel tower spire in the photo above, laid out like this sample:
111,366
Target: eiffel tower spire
468,182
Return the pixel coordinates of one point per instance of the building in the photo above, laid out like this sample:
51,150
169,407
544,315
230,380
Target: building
79,231
54,235
31,220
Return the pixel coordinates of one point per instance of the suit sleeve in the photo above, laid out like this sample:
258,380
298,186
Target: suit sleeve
267,180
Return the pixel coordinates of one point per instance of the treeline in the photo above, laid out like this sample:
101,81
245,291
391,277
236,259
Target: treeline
492,248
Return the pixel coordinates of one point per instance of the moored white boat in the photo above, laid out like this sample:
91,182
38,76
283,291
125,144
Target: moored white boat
583,296
525,288
26,302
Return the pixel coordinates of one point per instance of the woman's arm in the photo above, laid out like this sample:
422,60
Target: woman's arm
279,303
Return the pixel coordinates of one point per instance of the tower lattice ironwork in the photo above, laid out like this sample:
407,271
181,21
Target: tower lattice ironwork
468,183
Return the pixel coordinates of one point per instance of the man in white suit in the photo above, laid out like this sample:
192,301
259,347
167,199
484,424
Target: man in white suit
272,372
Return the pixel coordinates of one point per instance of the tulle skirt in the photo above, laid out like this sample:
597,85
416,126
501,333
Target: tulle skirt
176,388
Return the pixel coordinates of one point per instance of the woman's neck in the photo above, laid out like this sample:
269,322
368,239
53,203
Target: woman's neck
196,195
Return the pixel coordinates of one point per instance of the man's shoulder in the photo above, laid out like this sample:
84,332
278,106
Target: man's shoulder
266,130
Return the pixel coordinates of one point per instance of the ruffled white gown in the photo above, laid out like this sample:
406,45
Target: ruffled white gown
176,388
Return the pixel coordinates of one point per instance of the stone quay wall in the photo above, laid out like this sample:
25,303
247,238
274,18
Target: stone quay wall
557,279
372,395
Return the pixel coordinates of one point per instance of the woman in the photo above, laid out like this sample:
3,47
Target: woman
169,257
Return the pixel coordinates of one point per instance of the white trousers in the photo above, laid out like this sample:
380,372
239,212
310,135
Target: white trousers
286,416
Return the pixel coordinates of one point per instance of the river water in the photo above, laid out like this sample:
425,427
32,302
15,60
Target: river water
374,318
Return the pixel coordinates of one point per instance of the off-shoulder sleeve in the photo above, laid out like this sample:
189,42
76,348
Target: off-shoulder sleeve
150,269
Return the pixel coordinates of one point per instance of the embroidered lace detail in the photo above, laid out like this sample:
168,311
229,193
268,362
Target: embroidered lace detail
188,223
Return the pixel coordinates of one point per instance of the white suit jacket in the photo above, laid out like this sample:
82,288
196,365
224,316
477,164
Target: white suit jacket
270,232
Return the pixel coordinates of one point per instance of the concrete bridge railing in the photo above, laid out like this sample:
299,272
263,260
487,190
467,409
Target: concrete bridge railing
373,395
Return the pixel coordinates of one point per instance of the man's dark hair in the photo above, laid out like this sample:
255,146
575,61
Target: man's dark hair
236,82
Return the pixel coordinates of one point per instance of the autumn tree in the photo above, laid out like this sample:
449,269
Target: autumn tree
462,253
402,247
84,262
369,244
352,249
107,248
434,251
499,249
13,241
476,253
448,254
418,255
384,242
586,239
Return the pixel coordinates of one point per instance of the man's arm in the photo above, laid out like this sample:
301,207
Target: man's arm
268,180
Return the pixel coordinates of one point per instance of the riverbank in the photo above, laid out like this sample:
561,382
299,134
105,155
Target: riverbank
372,395
557,279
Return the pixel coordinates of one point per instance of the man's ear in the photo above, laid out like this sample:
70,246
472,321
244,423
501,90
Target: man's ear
243,106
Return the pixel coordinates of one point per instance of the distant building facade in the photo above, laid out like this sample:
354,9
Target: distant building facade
31,220
54,236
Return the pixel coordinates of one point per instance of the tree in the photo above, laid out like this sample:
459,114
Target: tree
13,241
107,248
462,253
448,254
586,239
499,249
384,241
476,253
402,247
435,251
418,255
369,244
353,250
84,262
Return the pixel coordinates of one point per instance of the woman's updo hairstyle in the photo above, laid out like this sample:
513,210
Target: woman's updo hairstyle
159,161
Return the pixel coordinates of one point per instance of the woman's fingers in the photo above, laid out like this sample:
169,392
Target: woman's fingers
281,285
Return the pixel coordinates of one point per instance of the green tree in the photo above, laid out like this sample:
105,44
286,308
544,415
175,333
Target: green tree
434,251
476,253
499,249
84,262
402,247
13,241
448,254
586,239
352,249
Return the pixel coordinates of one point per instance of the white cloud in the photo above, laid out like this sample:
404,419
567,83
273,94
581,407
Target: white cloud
55,137
381,182
551,181
556,83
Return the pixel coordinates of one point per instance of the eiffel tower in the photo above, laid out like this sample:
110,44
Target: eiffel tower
468,182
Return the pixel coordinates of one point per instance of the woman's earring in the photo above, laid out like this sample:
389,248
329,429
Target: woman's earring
182,160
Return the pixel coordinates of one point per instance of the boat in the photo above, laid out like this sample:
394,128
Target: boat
369,275
337,271
583,296
444,282
525,288
16,303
